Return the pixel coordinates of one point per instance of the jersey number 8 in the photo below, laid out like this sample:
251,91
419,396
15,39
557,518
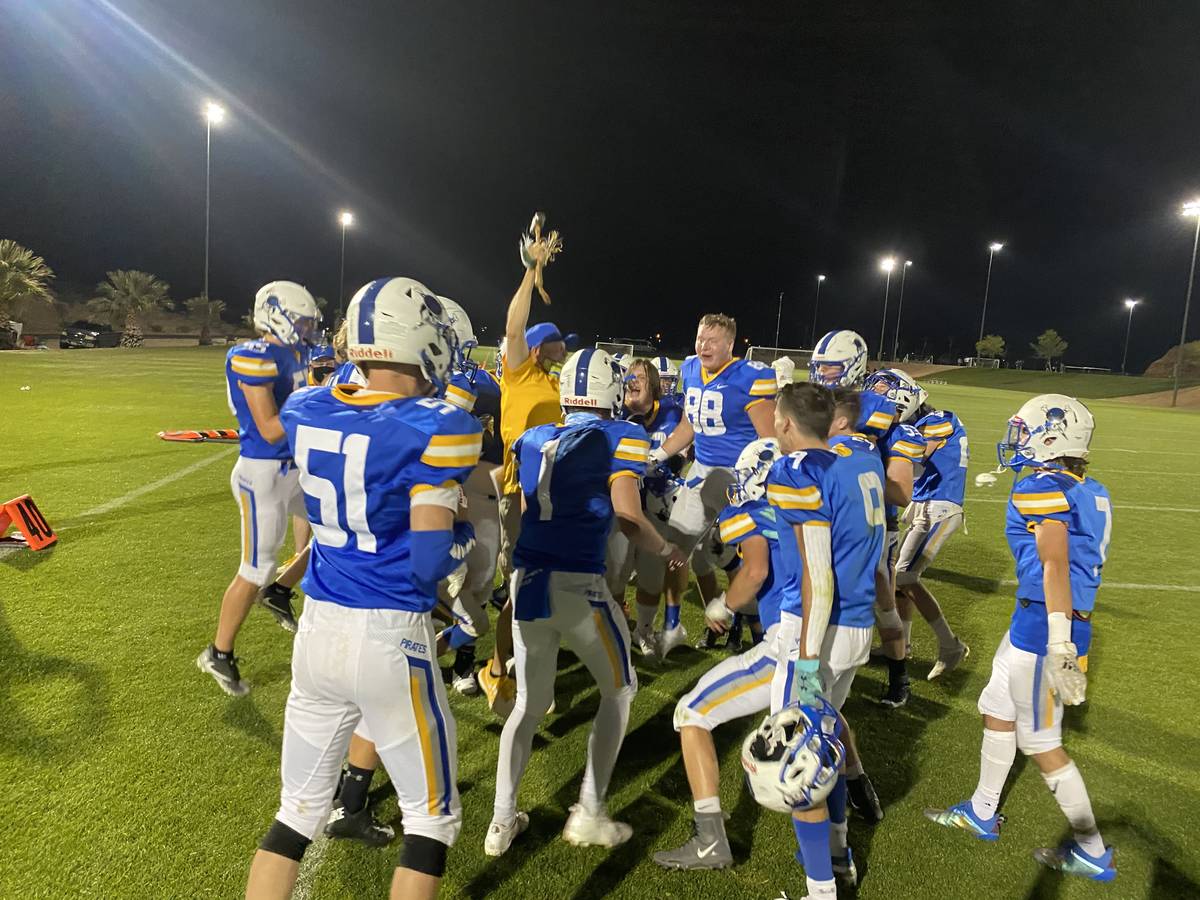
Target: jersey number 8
704,410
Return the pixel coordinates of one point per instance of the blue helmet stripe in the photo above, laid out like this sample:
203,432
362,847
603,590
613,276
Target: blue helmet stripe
366,311
581,372
823,344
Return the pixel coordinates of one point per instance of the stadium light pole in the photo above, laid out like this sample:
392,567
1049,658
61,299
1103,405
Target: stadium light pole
778,317
214,114
886,265
1130,303
1191,208
816,306
900,309
346,218
993,248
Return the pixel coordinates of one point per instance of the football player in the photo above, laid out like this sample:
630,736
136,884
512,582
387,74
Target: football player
668,375
659,412
574,478
381,468
1059,524
260,375
728,402
936,514
840,360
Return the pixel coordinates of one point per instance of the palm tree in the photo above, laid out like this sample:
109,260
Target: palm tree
23,276
208,311
125,295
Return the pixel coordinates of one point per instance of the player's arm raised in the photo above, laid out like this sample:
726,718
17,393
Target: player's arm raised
1062,663
261,403
516,349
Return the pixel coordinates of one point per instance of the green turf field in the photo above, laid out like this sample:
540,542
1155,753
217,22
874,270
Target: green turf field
127,773
1075,384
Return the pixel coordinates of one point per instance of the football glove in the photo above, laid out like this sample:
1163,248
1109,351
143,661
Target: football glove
717,612
808,682
1062,670
656,457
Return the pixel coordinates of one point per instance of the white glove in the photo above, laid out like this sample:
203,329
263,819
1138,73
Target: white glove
717,612
656,457
1062,671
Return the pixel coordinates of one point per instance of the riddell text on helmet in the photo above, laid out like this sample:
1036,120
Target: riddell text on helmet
361,352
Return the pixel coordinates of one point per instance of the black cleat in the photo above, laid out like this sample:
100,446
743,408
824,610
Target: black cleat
863,799
709,641
359,826
277,600
733,643
896,694
499,597
224,670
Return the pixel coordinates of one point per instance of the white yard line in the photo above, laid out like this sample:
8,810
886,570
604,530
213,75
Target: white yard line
1180,509
145,489
308,868
1128,586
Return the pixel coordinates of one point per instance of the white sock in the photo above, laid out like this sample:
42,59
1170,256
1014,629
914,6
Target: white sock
645,616
1066,784
945,636
707,805
822,890
838,838
906,629
995,760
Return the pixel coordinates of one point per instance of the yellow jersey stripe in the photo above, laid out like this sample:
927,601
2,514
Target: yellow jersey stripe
879,420
621,474
786,490
735,527
842,450
794,501
633,444
456,396
942,429
1049,502
631,457
764,388
908,448
253,368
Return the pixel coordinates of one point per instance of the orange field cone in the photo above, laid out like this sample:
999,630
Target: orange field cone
23,513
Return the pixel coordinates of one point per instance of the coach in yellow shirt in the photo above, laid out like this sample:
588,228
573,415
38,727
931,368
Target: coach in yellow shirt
530,360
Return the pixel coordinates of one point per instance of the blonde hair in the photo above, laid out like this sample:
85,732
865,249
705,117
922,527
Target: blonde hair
340,339
652,377
720,320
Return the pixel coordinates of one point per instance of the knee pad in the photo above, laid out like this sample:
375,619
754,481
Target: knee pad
283,840
905,578
423,854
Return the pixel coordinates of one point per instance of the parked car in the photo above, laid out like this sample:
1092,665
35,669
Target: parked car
88,334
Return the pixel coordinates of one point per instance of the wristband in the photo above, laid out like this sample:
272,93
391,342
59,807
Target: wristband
1059,628
808,665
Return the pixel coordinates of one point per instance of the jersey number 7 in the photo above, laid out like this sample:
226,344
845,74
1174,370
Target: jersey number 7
327,528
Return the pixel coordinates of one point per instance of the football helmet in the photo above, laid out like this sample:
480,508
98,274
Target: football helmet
668,374
899,387
751,470
845,354
792,759
399,320
287,311
1045,428
461,323
591,379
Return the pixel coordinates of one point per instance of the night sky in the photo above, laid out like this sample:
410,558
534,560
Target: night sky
696,157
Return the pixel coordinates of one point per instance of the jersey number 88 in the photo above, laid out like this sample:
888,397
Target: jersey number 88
704,410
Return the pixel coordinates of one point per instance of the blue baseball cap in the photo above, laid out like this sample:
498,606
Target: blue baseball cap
536,335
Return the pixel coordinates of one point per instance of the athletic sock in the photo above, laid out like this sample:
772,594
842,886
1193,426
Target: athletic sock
838,829
356,783
945,635
222,654
707,805
813,840
1066,784
906,630
897,671
671,617
996,757
645,616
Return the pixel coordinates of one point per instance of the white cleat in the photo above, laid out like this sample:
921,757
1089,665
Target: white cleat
646,642
500,836
466,685
670,639
948,662
584,829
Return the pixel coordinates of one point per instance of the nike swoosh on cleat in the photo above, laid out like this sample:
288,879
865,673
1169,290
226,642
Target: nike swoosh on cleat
707,851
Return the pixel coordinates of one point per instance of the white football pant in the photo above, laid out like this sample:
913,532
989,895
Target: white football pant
934,521
268,494
1019,692
469,601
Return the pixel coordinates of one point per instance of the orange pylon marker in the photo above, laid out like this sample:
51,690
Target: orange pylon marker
23,513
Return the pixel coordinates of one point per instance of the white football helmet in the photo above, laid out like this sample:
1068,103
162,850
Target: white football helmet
591,379
899,387
785,371
399,320
792,759
845,352
1045,428
461,323
751,470
287,311
623,360
668,374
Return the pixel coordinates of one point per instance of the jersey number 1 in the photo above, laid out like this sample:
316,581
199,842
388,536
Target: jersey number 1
328,529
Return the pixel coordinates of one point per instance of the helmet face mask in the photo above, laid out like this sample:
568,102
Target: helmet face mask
461,323
1044,429
900,388
751,470
792,759
287,311
839,360
668,375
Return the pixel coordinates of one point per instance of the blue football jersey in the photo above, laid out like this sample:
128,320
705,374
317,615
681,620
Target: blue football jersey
878,414
944,476
900,441
758,517
717,405
479,394
261,363
348,373
362,456
798,492
659,423
855,491
565,472
1084,505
